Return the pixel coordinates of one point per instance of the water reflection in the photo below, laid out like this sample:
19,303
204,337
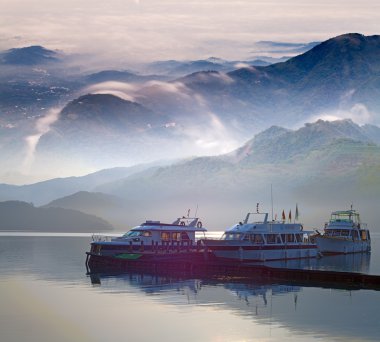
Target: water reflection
35,273
327,313
358,262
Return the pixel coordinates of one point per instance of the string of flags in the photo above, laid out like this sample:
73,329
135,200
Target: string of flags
296,216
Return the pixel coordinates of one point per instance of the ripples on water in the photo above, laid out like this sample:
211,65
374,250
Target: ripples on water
46,295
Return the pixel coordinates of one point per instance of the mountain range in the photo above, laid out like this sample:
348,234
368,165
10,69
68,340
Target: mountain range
324,164
145,117
22,216
232,129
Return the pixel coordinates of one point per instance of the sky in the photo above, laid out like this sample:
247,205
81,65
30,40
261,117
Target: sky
146,30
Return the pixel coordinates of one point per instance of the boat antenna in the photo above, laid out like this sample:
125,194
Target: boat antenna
271,199
196,210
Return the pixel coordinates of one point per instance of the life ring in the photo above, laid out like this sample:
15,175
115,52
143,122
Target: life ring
182,223
199,224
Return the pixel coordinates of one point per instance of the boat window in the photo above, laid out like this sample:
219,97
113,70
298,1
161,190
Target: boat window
355,235
246,237
368,235
345,232
231,236
146,233
271,238
176,236
132,233
363,235
289,238
299,237
165,236
257,238
278,239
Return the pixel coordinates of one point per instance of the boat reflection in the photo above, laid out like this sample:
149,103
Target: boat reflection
357,262
329,314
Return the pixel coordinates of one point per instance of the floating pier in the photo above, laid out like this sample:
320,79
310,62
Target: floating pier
222,269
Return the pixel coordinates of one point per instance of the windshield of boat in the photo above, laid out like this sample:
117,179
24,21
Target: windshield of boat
135,233
231,236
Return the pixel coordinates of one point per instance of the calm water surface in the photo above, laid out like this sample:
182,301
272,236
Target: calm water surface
46,295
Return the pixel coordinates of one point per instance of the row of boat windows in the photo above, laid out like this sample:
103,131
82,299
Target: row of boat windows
364,234
165,236
262,238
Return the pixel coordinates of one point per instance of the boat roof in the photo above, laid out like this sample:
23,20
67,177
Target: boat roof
266,227
345,212
188,224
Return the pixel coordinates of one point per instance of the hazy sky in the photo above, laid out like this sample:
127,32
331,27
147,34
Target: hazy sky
133,30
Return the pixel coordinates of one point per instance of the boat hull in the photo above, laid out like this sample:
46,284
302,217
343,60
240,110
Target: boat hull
334,245
98,262
261,253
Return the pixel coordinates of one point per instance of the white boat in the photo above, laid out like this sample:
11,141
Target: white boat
262,241
152,241
343,234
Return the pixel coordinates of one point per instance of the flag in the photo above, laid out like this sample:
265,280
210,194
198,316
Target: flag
297,213
283,215
290,215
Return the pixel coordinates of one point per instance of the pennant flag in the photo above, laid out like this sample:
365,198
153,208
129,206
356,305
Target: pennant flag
283,215
297,213
290,215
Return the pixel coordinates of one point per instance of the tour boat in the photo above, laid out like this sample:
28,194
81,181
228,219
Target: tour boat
343,234
262,241
150,241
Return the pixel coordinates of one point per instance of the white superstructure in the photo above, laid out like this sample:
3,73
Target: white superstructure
343,234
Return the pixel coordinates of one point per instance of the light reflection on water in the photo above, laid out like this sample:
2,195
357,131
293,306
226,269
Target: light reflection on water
43,282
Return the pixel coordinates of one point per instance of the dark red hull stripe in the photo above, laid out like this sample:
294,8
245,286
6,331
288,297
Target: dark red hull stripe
259,248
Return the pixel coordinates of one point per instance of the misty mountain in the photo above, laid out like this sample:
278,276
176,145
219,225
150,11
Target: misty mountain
120,76
182,68
285,48
335,161
16,215
31,55
277,144
201,113
103,129
340,74
85,201
47,191
112,208
342,164
102,112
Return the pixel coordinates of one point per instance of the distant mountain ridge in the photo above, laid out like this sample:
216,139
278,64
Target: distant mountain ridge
16,215
201,113
31,55
334,75
325,156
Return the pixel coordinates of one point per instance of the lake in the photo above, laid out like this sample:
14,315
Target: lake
46,295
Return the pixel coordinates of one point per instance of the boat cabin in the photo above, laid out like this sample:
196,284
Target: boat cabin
266,232
182,231
347,224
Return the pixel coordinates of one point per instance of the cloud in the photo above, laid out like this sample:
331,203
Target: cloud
126,91
244,66
42,127
358,113
281,48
